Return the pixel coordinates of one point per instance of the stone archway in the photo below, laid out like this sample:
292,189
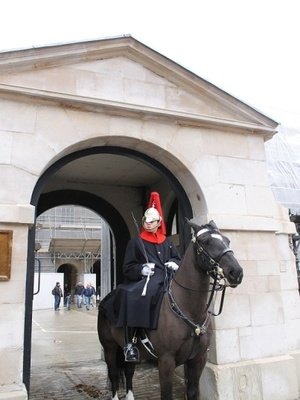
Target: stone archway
45,199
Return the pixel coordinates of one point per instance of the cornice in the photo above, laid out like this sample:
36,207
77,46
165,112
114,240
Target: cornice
127,46
132,110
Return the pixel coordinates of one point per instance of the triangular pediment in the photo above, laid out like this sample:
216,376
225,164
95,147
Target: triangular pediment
124,73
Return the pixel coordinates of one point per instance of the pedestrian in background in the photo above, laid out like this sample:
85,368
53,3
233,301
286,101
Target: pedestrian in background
58,294
88,292
93,297
78,292
67,297
98,293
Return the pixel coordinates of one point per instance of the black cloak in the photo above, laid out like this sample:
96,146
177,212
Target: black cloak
125,306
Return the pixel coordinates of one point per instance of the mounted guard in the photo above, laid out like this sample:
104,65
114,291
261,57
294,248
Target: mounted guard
149,262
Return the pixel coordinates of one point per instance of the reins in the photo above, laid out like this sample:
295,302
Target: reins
216,273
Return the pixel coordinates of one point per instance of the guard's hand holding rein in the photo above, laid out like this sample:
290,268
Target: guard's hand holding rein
172,265
148,269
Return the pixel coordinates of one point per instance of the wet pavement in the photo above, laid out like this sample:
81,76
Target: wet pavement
67,365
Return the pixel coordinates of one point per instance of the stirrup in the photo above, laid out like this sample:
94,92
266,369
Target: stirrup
148,346
147,343
131,353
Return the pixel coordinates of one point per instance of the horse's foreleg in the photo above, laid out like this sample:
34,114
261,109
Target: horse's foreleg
113,366
192,373
166,367
129,372
113,375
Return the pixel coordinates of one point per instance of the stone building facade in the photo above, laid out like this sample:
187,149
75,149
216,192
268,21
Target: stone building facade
102,123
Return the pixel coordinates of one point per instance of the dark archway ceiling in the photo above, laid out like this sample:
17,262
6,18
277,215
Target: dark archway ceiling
108,169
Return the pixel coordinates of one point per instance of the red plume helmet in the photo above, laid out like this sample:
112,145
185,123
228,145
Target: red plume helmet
154,213
154,202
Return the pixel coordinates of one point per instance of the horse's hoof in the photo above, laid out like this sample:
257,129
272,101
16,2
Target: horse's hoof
129,395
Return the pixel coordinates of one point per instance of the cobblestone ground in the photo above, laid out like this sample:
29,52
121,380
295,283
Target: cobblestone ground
66,361
74,382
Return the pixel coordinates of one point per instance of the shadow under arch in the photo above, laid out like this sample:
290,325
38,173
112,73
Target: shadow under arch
183,201
44,201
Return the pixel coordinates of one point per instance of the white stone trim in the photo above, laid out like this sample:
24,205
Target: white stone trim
13,392
180,118
17,213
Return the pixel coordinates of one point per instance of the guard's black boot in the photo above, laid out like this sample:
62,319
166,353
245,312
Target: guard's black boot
131,353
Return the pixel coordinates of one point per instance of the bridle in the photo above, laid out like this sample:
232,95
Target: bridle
218,283
213,266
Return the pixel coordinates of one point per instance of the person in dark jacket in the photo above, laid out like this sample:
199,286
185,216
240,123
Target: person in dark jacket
88,292
58,294
148,263
78,293
67,297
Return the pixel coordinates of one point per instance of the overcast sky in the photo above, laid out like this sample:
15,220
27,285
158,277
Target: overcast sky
249,48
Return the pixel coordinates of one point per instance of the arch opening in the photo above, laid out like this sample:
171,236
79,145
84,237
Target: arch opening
58,185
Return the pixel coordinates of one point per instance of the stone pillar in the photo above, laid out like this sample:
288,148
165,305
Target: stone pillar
105,286
254,351
17,219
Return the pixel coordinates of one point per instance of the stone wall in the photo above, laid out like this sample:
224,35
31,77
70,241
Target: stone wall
214,146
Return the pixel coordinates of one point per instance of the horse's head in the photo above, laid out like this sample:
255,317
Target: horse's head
213,253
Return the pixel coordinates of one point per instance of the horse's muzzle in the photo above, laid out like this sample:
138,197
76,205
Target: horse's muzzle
235,277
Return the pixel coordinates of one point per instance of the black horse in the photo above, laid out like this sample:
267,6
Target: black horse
184,328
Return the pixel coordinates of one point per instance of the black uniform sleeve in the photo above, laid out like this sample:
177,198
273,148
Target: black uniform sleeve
174,254
133,260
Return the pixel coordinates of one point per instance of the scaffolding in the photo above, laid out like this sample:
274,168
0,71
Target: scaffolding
69,233
283,161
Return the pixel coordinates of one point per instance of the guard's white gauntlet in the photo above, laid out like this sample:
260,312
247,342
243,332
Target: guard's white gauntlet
148,269
172,265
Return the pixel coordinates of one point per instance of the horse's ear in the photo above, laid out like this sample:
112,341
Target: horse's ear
213,225
192,225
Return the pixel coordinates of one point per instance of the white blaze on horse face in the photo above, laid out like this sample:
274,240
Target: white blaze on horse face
204,230
129,395
217,236
115,397
213,235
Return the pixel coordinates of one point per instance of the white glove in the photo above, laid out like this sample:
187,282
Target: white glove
148,269
172,265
